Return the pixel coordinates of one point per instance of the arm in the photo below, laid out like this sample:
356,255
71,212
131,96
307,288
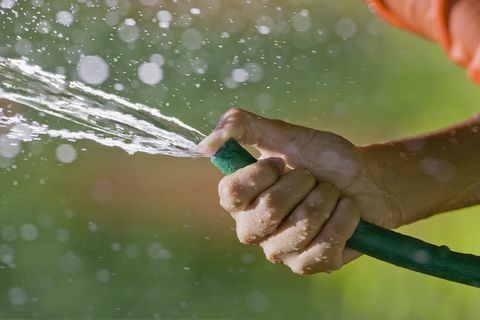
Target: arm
303,200
432,173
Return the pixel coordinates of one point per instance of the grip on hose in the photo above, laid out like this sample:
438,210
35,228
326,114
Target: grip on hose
389,246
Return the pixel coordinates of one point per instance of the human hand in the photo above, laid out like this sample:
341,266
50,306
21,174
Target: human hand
303,199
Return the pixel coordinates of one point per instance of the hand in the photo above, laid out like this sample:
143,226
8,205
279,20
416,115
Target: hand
303,199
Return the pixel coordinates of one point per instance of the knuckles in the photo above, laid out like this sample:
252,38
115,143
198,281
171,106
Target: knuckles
270,170
269,204
235,112
322,263
270,250
235,190
255,224
245,235
306,175
230,191
234,116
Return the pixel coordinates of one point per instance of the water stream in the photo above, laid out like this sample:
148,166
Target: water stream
95,115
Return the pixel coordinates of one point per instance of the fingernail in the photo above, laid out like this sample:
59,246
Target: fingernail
220,122
203,148
210,145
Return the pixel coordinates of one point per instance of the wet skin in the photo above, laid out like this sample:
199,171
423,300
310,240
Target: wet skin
303,199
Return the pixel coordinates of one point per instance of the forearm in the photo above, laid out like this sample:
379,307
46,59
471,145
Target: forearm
429,174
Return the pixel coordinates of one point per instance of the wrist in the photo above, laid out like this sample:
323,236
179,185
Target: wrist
392,172
375,185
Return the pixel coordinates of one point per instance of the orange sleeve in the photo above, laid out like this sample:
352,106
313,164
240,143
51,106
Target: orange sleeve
441,12
440,20
380,9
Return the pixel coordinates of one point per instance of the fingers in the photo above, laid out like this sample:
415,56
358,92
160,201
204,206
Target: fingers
326,252
303,224
296,220
268,210
349,255
239,189
249,129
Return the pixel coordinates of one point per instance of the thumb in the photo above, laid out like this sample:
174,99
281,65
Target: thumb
250,129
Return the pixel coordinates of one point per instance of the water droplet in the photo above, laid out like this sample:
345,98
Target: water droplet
92,226
345,28
192,39
195,11
130,22
23,47
103,275
263,29
64,18
158,59
118,87
9,147
440,169
301,21
7,254
17,296
421,256
20,131
255,71
157,252
164,18
43,27
28,232
256,301
66,153
128,33
7,4
239,75
150,73
70,263
132,251
93,70
116,247
63,235
247,258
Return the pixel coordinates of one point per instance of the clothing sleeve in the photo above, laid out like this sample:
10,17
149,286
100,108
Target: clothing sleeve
441,9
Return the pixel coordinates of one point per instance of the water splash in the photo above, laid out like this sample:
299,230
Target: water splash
96,115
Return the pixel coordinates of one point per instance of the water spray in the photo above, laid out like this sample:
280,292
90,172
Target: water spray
383,244
114,121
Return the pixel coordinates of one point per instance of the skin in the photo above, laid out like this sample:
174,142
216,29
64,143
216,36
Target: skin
303,199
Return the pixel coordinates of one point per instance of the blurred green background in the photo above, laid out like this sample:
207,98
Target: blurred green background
118,236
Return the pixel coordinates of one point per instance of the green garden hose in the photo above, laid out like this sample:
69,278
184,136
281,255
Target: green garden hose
380,243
